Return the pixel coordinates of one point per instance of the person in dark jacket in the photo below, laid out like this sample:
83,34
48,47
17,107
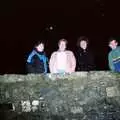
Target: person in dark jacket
37,60
84,57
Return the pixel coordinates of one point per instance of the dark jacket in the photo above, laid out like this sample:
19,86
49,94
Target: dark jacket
37,62
84,59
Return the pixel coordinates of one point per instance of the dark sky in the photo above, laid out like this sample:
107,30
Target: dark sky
23,23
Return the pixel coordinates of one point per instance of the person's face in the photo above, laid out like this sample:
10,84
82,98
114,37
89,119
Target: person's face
62,45
83,44
40,47
113,44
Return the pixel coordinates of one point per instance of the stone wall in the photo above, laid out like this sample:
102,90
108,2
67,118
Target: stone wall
91,95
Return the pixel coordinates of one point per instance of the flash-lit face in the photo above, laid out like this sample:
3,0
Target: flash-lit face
62,45
113,44
83,44
40,47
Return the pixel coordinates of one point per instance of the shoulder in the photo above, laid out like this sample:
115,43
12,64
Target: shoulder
69,52
32,53
54,53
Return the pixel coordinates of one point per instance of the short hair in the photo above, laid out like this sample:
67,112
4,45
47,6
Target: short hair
111,39
82,38
64,40
38,43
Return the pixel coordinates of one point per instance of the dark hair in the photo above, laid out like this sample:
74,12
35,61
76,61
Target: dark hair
82,38
111,39
64,40
38,43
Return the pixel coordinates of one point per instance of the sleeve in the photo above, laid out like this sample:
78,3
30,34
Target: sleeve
78,61
73,62
46,64
29,65
51,63
29,60
111,66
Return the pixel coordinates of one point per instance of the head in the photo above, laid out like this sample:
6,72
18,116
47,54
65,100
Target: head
112,43
62,44
40,46
82,42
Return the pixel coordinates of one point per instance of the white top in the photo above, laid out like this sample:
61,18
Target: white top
61,60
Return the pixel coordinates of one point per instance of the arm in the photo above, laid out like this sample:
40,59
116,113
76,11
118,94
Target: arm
29,60
78,55
73,62
46,64
52,63
29,64
111,66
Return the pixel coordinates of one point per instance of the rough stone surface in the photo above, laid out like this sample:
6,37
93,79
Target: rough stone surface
91,95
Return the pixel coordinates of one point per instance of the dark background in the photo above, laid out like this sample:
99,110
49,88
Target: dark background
22,23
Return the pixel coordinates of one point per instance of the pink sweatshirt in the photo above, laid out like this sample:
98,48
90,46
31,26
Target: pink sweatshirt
64,60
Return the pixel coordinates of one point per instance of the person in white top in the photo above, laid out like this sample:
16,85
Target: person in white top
62,61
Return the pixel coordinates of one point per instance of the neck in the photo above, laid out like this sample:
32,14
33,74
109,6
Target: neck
61,50
114,48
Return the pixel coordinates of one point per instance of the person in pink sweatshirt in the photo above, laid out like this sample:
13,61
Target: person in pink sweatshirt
62,60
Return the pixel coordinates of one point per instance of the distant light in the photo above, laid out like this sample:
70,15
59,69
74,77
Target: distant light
51,28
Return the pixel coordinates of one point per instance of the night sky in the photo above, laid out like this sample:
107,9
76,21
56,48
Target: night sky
25,22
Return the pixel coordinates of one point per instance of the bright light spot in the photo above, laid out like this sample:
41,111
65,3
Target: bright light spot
51,28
